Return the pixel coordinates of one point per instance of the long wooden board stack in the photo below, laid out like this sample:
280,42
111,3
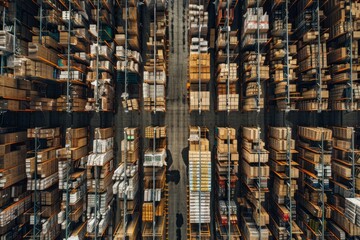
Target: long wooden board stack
282,189
199,182
199,74
254,172
73,188
126,187
100,169
15,199
251,56
344,183
42,178
344,76
227,157
314,158
155,196
155,71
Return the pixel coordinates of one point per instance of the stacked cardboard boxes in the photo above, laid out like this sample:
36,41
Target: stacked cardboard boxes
343,66
155,70
226,173
314,147
154,207
42,178
126,183
199,74
127,44
199,182
72,178
254,172
100,169
283,183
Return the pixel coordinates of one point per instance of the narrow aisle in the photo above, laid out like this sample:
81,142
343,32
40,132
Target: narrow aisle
177,120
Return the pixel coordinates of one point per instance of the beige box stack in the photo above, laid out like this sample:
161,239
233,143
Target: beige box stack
71,161
200,174
255,172
126,187
100,169
281,192
314,158
199,73
155,196
42,171
227,157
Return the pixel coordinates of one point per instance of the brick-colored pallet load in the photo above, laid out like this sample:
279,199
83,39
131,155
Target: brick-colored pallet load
16,200
278,59
72,180
99,172
199,59
199,194
154,83
227,157
338,22
345,222
308,58
226,73
155,196
281,194
42,179
254,173
126,187
251,58
314,158
130,98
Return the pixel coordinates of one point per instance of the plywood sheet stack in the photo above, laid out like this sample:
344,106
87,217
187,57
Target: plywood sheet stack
155,190
156,72
314,158
338,22
282,189
342,199
127,186
100,169
227,159
311,56
199,73
254,173
71,163
15,199
278,59
42,179
133,62
252,55
199,181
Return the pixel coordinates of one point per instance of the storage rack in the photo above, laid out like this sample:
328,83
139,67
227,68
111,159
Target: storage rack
343,44
312,57
345,162
314,146
226,58
155,204
199,58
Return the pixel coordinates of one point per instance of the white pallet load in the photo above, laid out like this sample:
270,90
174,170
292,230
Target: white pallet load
352,207
157,158
96,159
103,145
6,41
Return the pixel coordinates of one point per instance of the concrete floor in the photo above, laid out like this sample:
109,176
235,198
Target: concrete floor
177,122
